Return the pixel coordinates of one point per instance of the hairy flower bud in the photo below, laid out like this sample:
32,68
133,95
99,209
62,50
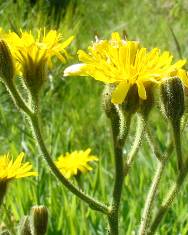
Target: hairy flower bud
172,95
39,220
24,227
108,106
7,67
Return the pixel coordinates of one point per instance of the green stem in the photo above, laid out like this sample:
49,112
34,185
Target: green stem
17,99
154,147
33,117
146,216
119,176
141,124
95,205
113,217
177,142
169,199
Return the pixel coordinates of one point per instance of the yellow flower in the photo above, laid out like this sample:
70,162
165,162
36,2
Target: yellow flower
28,50
71,164
10,169
124,64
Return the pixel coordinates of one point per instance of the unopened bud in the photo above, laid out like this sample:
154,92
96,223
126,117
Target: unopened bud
108,106
39,220
172,95
24,228
7,67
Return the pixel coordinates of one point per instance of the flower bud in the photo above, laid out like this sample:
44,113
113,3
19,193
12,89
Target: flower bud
131,102
114,113
172,95
24,227
7,67
39,220
108,106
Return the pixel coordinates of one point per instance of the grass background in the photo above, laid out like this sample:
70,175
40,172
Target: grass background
74,119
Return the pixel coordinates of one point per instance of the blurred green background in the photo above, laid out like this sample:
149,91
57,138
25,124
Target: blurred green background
74,119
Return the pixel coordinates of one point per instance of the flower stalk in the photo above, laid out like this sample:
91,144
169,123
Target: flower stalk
141,125
113,217
95,205
34,122
177,143
146,216
171,195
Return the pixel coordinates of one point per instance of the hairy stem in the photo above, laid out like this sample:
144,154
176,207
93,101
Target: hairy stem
95,205
152,143
17,99
146,216
113,217
171,195
177,142
34,121
183,169
141,124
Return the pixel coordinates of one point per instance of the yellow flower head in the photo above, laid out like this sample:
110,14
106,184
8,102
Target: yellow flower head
71,164
124,64
10,169
28,49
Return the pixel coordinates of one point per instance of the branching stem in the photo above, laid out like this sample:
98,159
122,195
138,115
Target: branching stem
34,121
171,195
95,205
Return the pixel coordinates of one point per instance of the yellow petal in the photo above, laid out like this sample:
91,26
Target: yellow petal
120,93
182,74
67,42
141,91
116,36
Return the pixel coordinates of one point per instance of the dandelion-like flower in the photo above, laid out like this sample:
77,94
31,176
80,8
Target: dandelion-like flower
10,169
29,49
124,64
71,164
33,55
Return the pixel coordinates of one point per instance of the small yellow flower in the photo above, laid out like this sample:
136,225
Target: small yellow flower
71,164
124,64
28,50
10,169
